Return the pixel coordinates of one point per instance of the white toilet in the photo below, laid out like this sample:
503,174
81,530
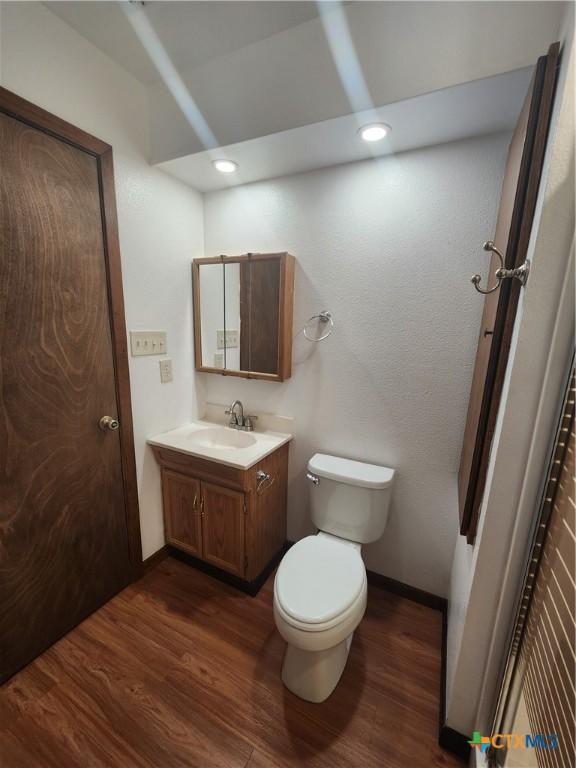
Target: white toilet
320,587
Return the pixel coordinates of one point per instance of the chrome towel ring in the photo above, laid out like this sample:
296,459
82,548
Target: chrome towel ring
263,481
325,318
520,273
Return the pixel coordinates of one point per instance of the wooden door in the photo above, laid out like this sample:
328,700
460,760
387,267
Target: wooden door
513,227
223,528
181,497
67,539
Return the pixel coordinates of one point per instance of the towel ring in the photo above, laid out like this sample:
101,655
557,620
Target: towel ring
324,317
263,481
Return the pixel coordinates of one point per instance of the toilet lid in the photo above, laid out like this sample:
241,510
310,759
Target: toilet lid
318,579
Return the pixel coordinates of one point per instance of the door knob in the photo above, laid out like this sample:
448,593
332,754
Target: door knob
107,422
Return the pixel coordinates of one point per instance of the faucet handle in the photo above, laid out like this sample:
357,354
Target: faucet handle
233,417
248,425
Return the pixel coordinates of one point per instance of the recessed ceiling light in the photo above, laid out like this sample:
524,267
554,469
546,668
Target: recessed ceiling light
374,131
225,166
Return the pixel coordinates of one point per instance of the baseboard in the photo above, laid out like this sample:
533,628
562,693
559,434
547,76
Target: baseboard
155,559
454,742
448,738
407,591
249,587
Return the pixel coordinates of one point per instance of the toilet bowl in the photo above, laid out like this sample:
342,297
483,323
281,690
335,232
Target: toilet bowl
320,587
319,600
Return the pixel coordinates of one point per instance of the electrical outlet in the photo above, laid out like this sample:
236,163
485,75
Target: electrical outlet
231,339
165,370
148,343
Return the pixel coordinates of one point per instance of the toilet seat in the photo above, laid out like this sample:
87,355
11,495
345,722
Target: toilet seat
321,583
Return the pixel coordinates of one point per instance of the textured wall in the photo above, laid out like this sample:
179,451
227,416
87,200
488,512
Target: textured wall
160,219
388,246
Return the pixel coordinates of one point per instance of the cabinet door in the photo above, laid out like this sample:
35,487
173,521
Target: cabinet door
181,496
223,528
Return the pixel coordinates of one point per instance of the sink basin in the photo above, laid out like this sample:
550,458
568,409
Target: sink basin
216,442
221,437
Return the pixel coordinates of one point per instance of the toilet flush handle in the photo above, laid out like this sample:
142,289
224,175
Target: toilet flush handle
313,478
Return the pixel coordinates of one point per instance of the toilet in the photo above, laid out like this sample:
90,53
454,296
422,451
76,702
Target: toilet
320,587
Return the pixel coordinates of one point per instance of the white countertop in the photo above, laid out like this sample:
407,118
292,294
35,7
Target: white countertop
206,439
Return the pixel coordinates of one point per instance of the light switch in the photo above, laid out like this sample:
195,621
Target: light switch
165,370
148,343
231,339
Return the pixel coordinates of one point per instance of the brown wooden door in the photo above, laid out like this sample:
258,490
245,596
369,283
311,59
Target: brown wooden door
64,541
223,528
182,511
513,227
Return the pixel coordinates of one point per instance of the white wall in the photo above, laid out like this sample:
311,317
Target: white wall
388,246
160,219
485,578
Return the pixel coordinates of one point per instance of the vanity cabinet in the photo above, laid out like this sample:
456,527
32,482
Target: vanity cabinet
181,498
223,524
225,519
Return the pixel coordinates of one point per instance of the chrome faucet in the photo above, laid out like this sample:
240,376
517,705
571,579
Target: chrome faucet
237,419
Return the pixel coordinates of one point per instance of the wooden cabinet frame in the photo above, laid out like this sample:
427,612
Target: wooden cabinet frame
261,537
286,294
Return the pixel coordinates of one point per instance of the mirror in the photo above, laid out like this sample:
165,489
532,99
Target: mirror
243,315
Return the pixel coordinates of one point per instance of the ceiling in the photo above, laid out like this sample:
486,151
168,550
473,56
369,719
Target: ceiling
192,32
278,83
491,105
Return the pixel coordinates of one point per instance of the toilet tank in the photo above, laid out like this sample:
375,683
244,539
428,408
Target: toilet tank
349,499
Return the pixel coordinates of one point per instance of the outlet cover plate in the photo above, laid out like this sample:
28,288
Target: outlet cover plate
166,370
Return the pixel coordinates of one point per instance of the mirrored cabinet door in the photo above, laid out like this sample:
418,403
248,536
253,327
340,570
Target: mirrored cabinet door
243,315
212,313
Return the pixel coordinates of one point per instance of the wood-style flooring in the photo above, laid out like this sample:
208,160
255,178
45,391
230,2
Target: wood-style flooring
182,670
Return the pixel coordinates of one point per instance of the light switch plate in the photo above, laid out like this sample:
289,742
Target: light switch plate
148,343
231,339
166,370
218,360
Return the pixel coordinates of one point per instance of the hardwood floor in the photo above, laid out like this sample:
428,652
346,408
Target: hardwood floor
182,670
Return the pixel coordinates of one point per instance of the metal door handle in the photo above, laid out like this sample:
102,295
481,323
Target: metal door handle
108,422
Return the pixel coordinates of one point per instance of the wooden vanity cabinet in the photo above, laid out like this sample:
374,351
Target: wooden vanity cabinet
223,528
216,516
